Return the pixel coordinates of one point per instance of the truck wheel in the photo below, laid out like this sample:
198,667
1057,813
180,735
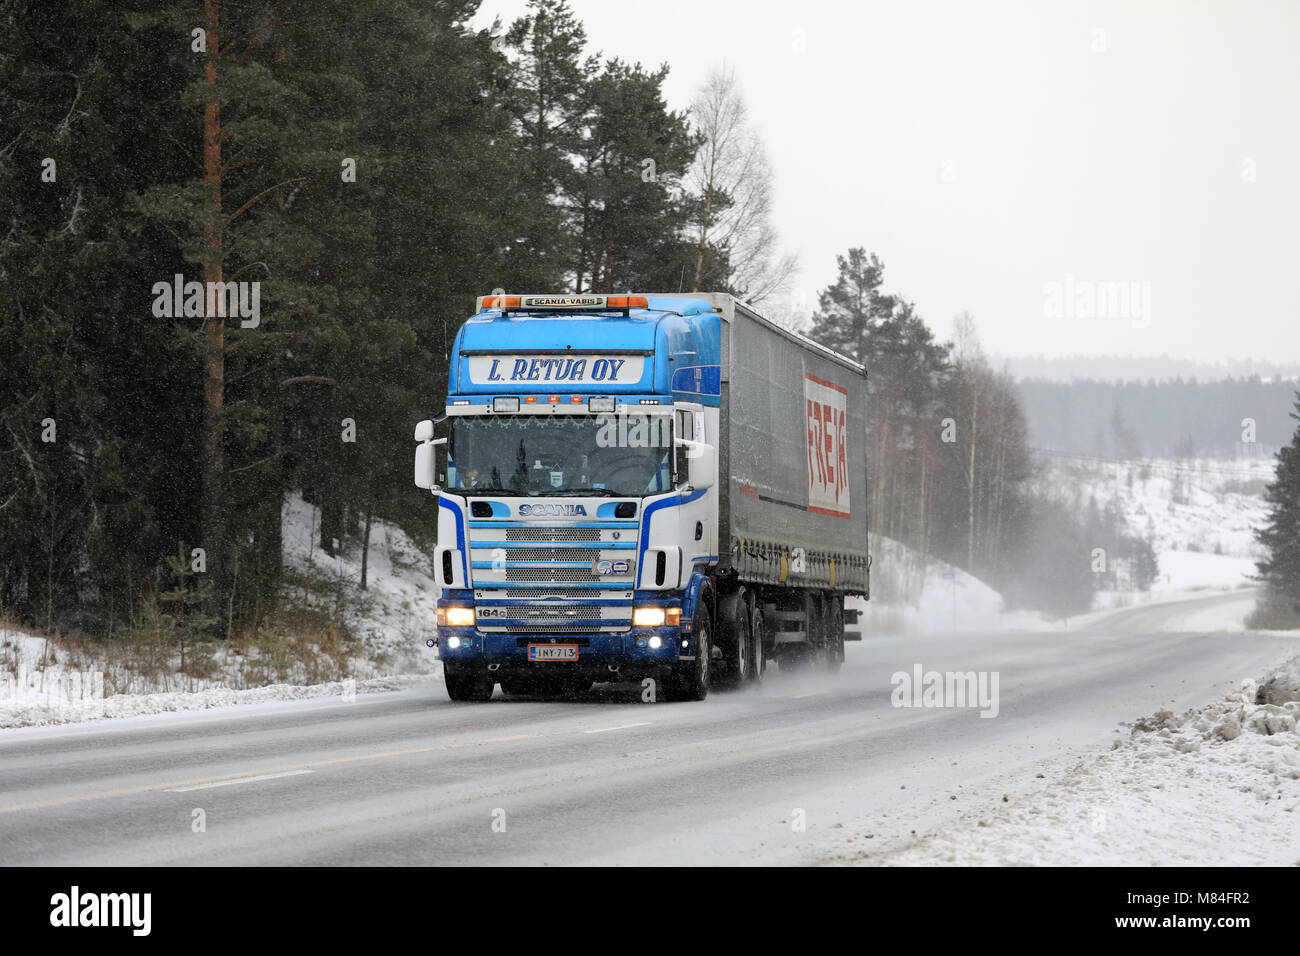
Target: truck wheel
690,679
740,661
757,659
467,686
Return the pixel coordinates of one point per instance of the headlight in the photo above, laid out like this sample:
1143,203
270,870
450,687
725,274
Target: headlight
656,616
648,617
456,616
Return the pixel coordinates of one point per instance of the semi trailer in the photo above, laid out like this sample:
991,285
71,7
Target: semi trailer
669,489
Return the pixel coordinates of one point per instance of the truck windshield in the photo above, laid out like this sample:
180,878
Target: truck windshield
561,454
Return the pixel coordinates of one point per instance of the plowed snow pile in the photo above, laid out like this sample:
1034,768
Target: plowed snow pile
1217,785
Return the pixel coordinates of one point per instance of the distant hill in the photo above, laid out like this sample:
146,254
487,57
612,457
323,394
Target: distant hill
1181,418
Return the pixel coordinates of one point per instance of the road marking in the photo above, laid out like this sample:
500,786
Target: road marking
243,774
601,730
815,693
231,783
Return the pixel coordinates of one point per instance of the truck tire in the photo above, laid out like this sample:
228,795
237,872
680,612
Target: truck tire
690,679
738,651
465,685
758,659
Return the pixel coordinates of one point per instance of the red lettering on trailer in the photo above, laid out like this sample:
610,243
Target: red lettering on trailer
828,459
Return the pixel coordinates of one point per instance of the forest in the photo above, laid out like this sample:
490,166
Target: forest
364,168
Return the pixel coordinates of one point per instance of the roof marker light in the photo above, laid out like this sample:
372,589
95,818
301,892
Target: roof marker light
564,303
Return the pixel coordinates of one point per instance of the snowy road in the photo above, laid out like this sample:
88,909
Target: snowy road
409,778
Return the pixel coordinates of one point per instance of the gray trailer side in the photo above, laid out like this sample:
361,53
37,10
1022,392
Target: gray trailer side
770,532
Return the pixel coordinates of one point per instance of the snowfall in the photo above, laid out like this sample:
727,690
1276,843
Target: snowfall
1170,790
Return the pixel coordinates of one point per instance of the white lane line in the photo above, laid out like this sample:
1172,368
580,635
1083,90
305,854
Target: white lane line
602,730
231,783
815,693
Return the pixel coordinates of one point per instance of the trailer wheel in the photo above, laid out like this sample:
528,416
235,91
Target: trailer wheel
758,659
690,679
464,685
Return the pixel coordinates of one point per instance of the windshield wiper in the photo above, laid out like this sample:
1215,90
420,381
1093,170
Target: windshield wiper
488,490
574,492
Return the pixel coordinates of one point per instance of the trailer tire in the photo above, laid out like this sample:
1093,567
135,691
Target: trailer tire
738,651
758,659
464,685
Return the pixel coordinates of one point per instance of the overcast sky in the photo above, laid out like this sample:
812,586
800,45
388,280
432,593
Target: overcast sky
1000,156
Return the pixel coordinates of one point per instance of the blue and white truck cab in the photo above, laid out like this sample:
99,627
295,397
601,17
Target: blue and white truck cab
577,471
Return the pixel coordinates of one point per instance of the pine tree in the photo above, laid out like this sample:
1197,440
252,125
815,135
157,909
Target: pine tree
851,309
1279,570
551,101
632,211
87,506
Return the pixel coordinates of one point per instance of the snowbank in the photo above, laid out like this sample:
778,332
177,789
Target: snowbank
44,683
1218,785
912,593
395,614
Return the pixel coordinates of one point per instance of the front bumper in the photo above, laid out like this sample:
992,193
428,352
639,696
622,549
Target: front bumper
596,651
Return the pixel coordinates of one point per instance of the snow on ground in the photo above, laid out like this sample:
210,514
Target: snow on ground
394,616
1200,515
1218,785
1207,505
44,683
912,593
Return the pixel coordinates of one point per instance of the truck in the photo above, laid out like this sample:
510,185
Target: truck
669,489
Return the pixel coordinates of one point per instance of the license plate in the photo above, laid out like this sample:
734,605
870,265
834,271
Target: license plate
552,652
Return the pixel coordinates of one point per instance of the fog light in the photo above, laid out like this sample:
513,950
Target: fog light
656,642
453,642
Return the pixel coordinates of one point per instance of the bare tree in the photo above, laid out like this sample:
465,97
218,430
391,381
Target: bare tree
732,181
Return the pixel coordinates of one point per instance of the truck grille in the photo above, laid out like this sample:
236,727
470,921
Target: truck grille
552,554
552,534
528,594
553,574
554,628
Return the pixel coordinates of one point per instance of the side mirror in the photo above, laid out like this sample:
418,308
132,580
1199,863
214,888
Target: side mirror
701,460
426,468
